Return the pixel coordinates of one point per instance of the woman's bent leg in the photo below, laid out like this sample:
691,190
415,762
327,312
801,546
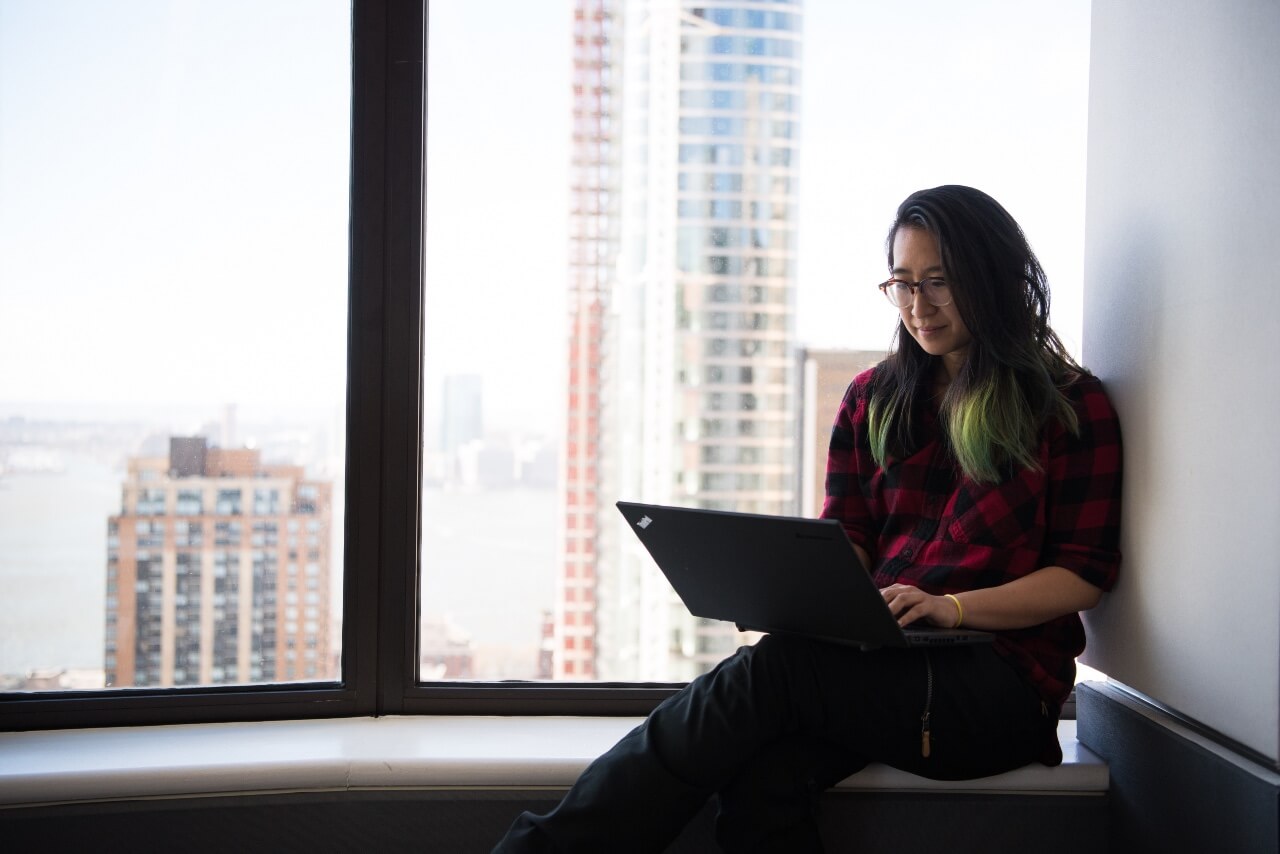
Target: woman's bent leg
985,719
641,793
772,805
627,801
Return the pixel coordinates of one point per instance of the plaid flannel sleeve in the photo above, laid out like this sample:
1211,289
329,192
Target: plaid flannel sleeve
1083,502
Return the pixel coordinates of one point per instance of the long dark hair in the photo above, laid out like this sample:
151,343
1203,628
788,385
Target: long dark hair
1010,384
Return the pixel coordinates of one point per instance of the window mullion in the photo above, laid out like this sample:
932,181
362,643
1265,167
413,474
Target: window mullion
394,136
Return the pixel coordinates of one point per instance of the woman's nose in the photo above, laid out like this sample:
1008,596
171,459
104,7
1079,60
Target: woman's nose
919,305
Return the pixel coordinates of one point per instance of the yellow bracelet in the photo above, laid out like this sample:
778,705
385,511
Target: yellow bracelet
959,610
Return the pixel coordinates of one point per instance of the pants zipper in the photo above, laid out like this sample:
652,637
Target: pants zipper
928,703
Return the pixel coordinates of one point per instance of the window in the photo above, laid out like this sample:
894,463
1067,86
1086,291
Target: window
694,247
150,502
412,457
208,216
266,502
229,503
190,502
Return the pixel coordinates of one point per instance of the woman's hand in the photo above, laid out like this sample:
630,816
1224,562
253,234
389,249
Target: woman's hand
1043,595
910,604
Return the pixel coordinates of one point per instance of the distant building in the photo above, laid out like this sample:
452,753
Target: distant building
462,417
217,571
445,651
62,679
825,377
593,254
547,648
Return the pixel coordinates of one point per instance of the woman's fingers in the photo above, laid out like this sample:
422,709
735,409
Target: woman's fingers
908,604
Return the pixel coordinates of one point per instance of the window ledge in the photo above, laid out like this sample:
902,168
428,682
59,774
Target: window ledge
430,752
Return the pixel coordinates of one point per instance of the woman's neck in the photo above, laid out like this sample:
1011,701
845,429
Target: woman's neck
949,366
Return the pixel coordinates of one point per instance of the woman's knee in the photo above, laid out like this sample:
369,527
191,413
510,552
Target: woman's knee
783,656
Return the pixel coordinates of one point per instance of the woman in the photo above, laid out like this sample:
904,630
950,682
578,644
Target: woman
977,470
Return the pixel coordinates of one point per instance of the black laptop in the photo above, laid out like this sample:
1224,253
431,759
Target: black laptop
775,574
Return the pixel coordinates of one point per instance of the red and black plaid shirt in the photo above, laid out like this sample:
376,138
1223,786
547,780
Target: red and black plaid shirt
924,524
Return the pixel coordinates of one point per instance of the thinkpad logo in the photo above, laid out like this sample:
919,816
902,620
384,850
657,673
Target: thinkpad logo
644,522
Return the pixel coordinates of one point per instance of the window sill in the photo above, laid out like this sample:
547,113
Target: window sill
429,752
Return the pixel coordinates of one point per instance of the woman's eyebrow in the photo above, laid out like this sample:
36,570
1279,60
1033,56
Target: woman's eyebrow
929,272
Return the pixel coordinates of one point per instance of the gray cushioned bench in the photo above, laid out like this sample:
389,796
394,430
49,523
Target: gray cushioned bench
507,763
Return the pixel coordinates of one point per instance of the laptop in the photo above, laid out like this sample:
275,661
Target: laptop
776,574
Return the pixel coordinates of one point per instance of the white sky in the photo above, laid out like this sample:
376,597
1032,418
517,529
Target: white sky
173,185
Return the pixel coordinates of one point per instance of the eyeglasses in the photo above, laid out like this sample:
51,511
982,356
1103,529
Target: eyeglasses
901,293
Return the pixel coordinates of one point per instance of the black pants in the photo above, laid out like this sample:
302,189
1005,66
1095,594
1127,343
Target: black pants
773,726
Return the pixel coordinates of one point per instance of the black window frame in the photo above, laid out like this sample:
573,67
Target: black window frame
384,452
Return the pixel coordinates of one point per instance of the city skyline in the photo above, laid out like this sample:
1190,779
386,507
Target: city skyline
60,483
53,564
256,325
1008,115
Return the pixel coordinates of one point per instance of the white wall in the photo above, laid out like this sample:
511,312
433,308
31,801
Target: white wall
1182,322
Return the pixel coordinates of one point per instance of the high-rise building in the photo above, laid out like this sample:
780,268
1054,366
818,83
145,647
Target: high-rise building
695,401
217,571
593,252
825,377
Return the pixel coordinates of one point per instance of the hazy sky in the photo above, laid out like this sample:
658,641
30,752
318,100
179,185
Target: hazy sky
896,97
173,185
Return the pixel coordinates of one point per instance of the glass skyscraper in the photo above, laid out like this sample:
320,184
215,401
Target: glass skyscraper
697,380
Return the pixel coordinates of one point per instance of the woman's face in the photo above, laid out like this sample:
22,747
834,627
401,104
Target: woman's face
937,329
